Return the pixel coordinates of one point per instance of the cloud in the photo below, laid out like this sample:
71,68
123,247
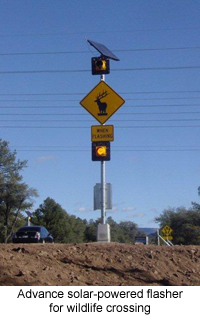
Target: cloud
128,209
141,214
83,210
154,210
114,209
45,158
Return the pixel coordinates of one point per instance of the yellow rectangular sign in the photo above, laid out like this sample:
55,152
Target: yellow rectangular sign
102,133
169,237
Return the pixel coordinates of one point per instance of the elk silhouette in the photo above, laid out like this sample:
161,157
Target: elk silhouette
102,105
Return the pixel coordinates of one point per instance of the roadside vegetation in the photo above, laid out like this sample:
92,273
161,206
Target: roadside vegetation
16,197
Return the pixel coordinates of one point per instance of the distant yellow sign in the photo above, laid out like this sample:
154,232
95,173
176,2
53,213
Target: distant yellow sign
102,133
167,230
102,102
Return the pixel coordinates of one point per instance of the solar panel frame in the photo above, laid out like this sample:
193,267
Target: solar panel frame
104,51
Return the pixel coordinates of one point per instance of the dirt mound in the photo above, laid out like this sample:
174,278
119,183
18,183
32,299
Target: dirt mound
98,264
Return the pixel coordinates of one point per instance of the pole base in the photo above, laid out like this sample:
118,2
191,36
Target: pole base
103,233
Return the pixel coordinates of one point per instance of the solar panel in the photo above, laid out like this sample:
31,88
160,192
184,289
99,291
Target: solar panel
104,51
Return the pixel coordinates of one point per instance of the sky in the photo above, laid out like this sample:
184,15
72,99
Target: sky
45,71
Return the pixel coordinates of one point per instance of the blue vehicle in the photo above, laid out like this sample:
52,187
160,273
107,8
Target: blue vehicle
32,234
142,240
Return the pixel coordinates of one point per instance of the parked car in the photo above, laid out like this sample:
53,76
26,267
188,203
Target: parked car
142,240
32,234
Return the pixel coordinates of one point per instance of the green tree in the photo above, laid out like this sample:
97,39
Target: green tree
77,230
124,232
184,223
65,228
51,215
69,229
195,205
129,231
91,230
15,195
116,232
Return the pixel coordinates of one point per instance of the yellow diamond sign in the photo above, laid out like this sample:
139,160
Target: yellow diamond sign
167,230
102,102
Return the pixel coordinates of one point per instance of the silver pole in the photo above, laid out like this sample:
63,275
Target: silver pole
158,236
103,190
103,183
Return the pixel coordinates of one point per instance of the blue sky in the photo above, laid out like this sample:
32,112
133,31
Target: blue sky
45,73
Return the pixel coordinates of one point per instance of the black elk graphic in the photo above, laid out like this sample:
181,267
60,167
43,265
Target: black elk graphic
102,105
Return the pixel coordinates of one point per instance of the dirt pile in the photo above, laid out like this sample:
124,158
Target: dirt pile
98,264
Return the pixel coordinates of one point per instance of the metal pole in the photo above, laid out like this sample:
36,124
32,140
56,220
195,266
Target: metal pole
103,207
103,183
158,237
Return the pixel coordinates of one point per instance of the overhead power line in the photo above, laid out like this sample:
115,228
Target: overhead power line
84,93
78,107
123,150
135,148
116,146
113,150
90,120
95,32
88,70
157,68
85,114
70,100
85,127
87,51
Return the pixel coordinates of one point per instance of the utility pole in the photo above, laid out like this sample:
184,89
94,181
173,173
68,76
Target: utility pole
103,229
102,102
103,182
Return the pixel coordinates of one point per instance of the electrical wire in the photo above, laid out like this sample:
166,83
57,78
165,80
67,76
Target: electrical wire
96,32
86,114
119,150
116,148
88,70
69,100
85,127
84,93
121,114
78,107
88,120
86,51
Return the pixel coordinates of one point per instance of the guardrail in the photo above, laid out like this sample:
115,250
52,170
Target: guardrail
167,242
